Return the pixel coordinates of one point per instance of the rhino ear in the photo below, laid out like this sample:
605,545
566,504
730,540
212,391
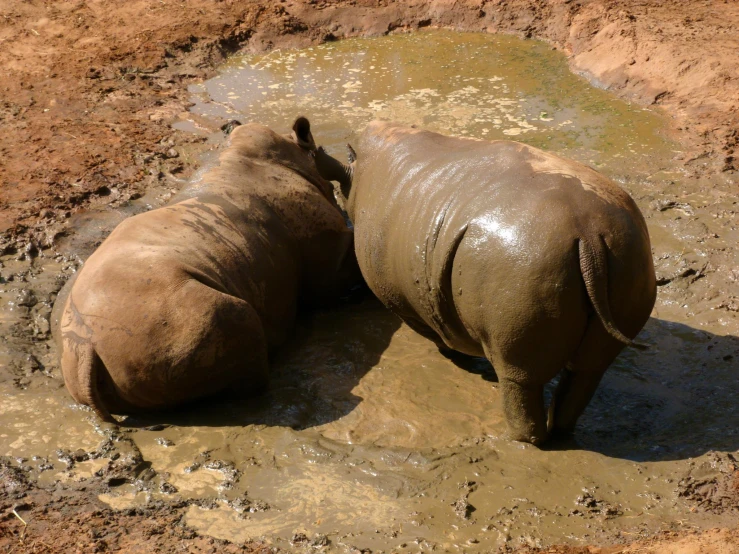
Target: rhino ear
302,134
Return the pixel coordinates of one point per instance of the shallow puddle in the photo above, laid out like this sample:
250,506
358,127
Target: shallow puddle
466,84
369,437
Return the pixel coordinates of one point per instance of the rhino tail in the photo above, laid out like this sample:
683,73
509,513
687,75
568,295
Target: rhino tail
88,371
594,268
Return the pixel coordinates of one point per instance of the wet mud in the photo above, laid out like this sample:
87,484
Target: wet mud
369,438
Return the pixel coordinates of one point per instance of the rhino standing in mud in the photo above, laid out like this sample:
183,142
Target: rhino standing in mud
188,299
503,250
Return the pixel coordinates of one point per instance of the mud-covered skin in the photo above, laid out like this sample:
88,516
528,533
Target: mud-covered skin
185,300
502,250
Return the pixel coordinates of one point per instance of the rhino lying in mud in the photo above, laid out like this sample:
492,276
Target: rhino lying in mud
188,299
502,250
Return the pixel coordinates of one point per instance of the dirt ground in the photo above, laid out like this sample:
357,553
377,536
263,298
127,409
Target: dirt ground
88,88
88,91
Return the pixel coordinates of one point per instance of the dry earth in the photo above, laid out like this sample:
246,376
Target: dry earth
88,89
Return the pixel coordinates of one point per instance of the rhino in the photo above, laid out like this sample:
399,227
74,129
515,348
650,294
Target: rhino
502,250
189,299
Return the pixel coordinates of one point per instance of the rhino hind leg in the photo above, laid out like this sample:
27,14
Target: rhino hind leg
572,396
523,406
522,387
579,381
224,347
209,341
524,364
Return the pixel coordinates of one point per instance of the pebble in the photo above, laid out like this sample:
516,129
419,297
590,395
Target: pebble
27,298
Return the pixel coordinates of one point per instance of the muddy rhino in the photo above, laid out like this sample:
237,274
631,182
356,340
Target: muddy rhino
501,250
188,299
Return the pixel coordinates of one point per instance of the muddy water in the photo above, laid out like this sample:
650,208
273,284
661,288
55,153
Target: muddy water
369,438
466,84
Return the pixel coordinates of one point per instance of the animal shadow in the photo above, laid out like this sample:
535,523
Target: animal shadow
311,377
473,364
673,401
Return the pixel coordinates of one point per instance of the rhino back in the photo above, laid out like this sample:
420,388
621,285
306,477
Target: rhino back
205,239
244,232
429,208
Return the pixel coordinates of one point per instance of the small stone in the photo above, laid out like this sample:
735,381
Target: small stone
168,488
27,298
298,538
156,427
227,128
32,362
320,541
42,325
80,455
259,506
463,508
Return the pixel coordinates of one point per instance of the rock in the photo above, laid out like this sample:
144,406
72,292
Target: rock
27,298
80,455
227,128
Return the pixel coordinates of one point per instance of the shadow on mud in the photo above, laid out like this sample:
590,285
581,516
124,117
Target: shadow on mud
679,399
312,376
473,364
676,400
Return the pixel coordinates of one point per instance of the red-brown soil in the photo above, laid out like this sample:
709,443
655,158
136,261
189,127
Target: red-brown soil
88,89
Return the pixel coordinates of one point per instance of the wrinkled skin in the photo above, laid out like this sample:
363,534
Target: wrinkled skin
498,249
188,299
